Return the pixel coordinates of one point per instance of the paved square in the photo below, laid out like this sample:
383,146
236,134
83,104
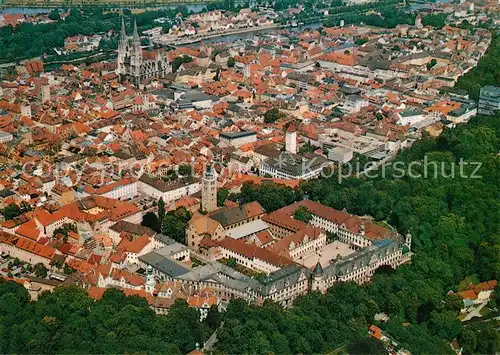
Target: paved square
328,253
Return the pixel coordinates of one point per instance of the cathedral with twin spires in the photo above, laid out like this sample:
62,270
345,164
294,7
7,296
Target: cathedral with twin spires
136,65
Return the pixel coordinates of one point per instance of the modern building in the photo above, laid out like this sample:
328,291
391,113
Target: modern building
489,100
168,190
341,155
5,137
410,117
293,166
122,189
237,139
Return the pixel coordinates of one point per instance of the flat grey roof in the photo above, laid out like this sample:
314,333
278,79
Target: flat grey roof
171,249
164,264
247,229
341,150
233,135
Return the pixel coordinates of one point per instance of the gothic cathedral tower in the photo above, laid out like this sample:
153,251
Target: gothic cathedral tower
209,190
136,56
122,50
130,57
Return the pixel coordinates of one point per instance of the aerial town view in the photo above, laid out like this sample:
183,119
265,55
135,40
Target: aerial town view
286,177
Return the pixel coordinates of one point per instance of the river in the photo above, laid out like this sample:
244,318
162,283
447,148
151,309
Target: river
418,6
251,35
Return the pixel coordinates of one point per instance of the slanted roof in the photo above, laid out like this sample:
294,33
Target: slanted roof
231,215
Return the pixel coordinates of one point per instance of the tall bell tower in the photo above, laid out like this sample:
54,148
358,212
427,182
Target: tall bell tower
209,190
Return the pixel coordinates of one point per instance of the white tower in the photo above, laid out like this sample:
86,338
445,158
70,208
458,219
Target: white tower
317,276
45,93
26,109
408,240
418,21
342,23
291,139
209,190
150,280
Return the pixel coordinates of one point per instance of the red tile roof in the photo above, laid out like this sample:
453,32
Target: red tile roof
254,252
467,295
35,248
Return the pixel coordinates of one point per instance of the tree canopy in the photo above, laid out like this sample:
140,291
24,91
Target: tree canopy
68,321
151,220
177,62
174,224
303,214
185,170
18,42
272,115
11,211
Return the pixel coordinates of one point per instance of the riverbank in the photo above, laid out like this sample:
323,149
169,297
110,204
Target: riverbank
196,39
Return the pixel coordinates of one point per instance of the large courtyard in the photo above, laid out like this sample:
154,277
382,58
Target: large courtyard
328,253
